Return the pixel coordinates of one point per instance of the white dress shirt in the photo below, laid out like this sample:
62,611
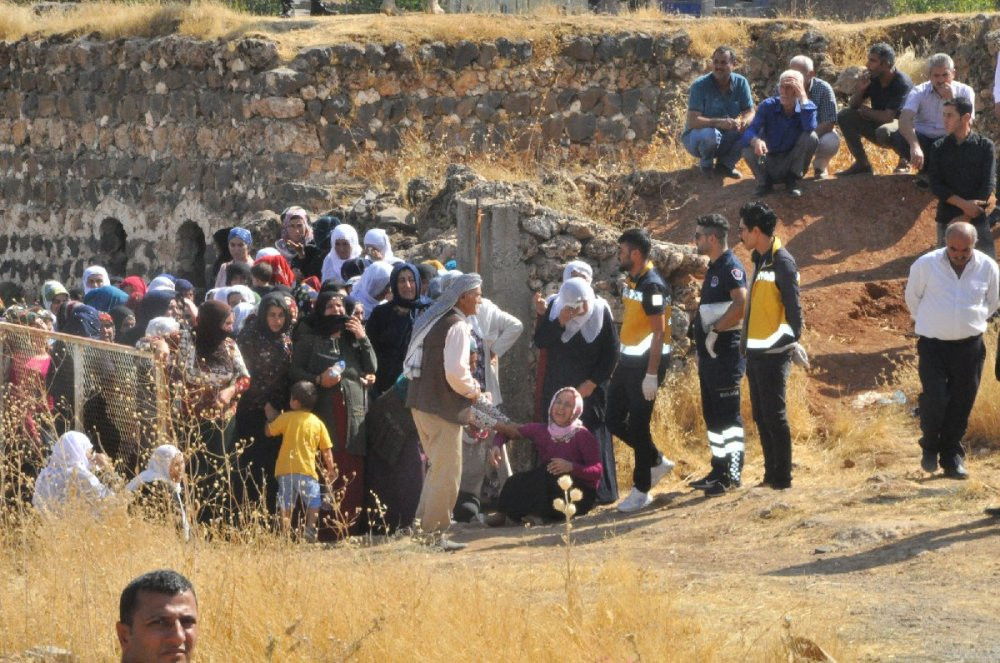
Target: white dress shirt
947,306
456,358
928,107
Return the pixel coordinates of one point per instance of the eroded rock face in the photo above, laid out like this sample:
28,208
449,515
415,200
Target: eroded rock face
157,135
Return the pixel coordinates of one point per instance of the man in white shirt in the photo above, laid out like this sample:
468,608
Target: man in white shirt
951,293
921,121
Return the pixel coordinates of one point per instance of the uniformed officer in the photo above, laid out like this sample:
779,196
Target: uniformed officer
771,329
642,364
720,364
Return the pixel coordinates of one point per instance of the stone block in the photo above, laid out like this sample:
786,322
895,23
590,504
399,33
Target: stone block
643,125
488,53
580,48
466,53
608,48
278,107
581,126
542,227
284,81
589,98
561,247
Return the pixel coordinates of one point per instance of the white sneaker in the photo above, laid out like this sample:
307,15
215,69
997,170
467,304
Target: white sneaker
657,472
635,501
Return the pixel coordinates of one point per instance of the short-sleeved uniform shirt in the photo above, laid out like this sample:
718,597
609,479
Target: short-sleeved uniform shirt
706,98
892,96
644,296
303,436
725,274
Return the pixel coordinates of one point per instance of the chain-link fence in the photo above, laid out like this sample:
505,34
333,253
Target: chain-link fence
55,382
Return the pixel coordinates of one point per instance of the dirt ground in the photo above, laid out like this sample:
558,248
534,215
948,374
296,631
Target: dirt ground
898,563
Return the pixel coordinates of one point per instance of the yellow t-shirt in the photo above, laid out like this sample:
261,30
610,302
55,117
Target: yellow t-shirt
303,435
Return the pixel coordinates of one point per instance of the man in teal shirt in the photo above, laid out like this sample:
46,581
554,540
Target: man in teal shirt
720,107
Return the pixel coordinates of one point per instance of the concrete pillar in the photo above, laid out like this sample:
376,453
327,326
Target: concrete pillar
505,282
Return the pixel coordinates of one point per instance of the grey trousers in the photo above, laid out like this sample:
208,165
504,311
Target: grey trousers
784,166
854,127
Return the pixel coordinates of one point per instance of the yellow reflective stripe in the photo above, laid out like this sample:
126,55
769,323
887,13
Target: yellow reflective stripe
642,347
769,342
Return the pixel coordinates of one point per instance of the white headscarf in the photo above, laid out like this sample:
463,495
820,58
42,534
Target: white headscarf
161,283
94,270
372,284
67,474
266,252
580,269
157,469
246,294
332,264
242,311
455,288
380,240
575,292
162,326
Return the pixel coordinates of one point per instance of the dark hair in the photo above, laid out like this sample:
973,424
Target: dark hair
638,239
884,52
305,393
237,270
759,215
728,50
262,271
960,104
161,581
716,224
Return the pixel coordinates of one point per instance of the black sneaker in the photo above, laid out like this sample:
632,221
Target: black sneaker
705,481
718,488
763,190
726,171
928,462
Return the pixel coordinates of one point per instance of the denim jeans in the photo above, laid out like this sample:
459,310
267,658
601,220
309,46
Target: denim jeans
712,144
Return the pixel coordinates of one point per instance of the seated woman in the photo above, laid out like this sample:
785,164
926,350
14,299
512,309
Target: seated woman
157,489
564,446
69,474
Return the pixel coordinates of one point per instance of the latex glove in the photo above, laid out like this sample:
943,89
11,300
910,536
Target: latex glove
710,340
649,386
799,355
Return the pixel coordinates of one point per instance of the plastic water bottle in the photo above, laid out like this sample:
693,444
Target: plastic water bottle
335,370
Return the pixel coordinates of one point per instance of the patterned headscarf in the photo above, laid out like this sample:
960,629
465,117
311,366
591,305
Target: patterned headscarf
566,433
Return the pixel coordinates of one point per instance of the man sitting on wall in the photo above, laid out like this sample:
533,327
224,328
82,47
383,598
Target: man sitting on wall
781,140
720,107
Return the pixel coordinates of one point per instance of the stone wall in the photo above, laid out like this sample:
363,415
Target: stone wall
137,152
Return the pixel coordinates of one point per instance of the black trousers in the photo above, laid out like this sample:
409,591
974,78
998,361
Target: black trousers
720,395
628,418
531,493
949,379
768,378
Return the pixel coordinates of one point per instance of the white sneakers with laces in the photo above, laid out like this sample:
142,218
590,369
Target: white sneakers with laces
662,469
635,501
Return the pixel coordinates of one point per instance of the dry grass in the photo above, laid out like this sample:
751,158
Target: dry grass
272,601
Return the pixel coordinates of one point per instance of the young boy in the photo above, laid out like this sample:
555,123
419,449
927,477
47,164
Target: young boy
303,435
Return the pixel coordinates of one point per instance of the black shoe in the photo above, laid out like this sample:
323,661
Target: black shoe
705,481
957,472
992,511
928,462
856,169
763,190
781,485
726,171
718,488
317,8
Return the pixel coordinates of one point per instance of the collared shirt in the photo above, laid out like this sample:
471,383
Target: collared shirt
706,97
821,93
779,131
928,107
643,296
966,169
892,96
724,275
947,306
456,357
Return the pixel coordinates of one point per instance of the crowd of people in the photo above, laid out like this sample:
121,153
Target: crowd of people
328,376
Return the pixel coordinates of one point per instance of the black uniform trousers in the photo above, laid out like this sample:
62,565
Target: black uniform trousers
628,418
949,379
720,379
767,375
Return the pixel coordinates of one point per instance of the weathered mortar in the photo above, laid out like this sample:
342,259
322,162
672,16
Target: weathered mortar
176,139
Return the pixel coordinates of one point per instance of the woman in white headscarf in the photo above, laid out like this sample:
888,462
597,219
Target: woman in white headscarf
69,474
344,245
158,487
373,288
95,277
579,337
377,246
241,312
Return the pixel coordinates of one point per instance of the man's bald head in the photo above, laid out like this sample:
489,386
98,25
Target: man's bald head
961,229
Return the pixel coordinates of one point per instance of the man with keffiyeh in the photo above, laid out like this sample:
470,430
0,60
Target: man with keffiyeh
441,390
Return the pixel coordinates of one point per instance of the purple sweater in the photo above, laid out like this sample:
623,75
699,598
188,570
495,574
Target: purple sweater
582,450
